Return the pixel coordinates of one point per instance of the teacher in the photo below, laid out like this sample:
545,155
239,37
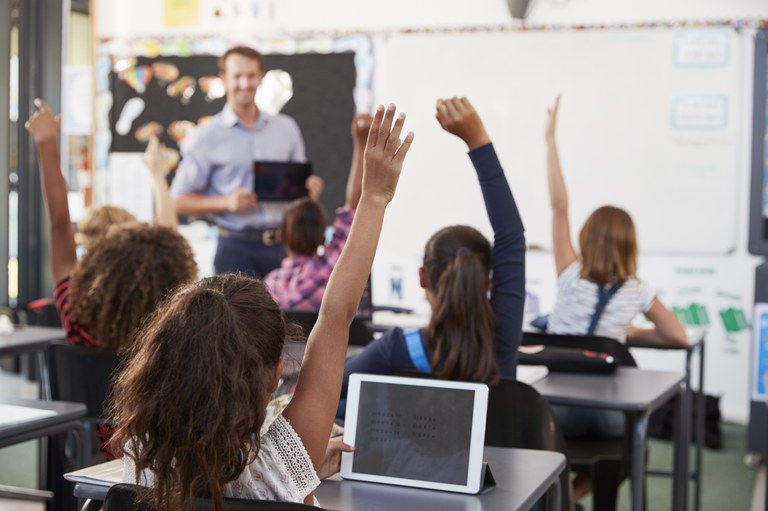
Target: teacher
215,177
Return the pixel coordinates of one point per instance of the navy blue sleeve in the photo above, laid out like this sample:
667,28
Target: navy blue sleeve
508,288
386,355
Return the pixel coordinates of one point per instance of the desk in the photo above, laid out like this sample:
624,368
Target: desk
32,339
66,419
635,392
695,344
523,476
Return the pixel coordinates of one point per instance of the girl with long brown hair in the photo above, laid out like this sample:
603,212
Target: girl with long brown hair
190,402
598,293
470,336
605,273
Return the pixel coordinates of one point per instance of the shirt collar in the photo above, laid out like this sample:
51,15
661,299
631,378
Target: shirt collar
229,118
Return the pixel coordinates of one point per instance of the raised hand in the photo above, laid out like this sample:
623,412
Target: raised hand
458,117
361,124
315,186
552,120
153,156
43,125
384,154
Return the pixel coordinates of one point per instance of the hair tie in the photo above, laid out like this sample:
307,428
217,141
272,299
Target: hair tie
461,250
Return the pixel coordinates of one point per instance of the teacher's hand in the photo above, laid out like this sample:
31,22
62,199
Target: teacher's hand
242,199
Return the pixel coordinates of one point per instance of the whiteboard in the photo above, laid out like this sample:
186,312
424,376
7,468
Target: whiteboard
650,120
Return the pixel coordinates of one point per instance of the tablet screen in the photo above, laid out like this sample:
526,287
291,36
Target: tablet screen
402,432
418,432
280,181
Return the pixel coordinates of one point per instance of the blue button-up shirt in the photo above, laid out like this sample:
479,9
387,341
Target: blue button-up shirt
218,158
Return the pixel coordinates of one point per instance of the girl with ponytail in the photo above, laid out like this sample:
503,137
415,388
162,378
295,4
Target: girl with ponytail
476,323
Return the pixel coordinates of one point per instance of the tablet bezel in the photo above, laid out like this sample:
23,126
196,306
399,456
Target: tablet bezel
477,438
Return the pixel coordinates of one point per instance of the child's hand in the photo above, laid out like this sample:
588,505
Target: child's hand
361,124
153,156
552,120
458,116
384,155
43,126
315,186
332,461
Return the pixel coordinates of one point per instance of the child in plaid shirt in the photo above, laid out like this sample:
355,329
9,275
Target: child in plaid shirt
299,283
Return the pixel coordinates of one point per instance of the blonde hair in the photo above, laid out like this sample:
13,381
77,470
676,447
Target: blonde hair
608,247
98,219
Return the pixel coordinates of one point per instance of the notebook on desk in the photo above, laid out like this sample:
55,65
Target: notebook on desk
416,432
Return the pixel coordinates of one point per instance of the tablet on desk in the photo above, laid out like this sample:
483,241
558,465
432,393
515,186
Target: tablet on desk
415,432
280,180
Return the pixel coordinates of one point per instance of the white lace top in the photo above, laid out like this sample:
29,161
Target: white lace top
282,470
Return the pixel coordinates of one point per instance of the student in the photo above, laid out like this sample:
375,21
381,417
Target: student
104,298
299,283
190,401
469,337
97,220
598,293
605,273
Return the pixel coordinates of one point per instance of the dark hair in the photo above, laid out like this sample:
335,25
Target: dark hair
191,397
608,247
304,227
461,331
121,279
245,51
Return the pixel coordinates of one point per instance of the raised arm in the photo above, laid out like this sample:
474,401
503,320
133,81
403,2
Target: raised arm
313,407
44,128
458,116
361,124
558,197
667,331
165,214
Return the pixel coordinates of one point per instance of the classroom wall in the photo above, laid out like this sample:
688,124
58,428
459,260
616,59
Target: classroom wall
140,17
710,290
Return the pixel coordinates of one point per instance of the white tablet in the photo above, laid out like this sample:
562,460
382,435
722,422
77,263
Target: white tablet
415,432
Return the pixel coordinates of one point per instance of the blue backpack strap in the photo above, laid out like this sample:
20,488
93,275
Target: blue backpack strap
603,297
416,350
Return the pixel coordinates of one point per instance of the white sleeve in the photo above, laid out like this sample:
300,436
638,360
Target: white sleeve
569,275
647,295
290,451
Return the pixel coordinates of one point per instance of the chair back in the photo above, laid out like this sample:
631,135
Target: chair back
82,375
613,347
123,497
519,417
360,334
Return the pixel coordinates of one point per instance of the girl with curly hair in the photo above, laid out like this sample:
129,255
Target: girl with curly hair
103,299
189,402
